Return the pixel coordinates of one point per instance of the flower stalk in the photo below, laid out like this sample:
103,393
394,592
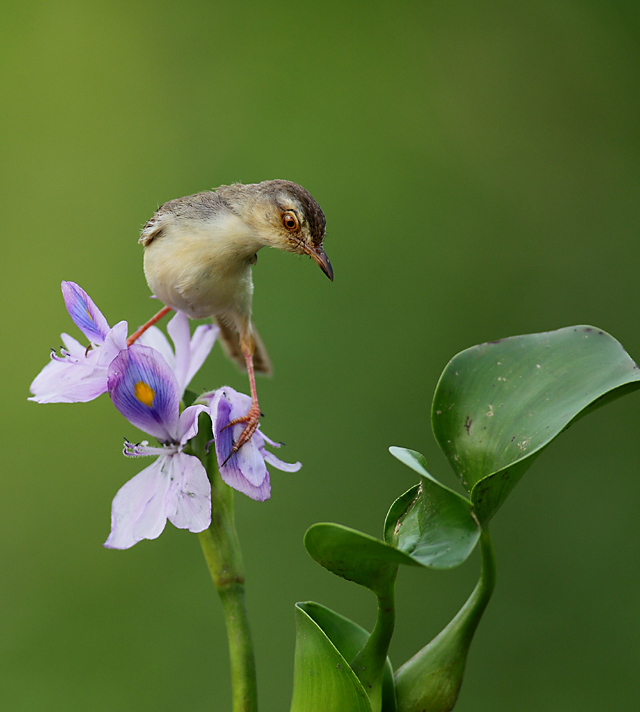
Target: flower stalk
221,548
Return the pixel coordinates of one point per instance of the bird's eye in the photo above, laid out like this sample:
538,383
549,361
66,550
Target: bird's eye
290,221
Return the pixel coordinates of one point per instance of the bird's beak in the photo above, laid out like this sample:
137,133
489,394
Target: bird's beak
320,258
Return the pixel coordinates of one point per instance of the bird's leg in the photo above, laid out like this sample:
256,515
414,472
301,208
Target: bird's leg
252,418
154,319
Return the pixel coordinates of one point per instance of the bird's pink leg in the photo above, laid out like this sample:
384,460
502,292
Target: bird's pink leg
252,418
154,319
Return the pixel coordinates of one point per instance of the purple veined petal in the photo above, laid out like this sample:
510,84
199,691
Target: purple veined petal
188,501
245,470
250,462
155,339
138,510
239,402
144,389
202,341
85,314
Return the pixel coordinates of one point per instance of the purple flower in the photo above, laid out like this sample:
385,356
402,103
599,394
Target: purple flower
79,373
175,487
190,351
245,470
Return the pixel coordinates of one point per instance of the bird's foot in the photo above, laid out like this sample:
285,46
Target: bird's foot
252,420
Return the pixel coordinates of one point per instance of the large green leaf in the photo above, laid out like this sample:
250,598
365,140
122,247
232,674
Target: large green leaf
430,522
322,679
498,405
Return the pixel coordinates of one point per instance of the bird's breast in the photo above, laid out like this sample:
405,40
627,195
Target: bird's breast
202,269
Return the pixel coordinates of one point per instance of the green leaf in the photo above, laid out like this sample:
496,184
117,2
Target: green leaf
355,556
498,405
322,678
430,522
373,564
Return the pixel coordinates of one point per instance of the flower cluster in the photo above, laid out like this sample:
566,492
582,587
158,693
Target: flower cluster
146,382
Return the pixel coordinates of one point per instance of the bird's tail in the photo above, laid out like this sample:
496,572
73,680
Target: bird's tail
231,343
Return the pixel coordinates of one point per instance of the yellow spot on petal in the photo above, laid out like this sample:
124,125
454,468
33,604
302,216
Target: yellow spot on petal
144,393
89,315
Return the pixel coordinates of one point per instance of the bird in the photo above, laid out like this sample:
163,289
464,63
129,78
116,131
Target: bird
199,251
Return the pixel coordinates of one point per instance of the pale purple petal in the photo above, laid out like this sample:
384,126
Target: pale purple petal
115,341
188,501
144,389
138,510
85,314
66,381
280,464
269,457
79,374
188,423
72,379
202,341
73,347
245,470
155,339
190,351
178,329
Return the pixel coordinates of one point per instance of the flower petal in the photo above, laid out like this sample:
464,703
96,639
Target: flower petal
188,501
155,339
85,314
79,374
280,464
71,379
138,510
188,423
144,389
178,329
114,342
202,341
191,352
245,470
260,438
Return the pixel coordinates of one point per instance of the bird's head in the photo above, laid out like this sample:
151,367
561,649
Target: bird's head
285,215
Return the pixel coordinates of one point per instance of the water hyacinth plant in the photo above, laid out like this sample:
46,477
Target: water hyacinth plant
496,407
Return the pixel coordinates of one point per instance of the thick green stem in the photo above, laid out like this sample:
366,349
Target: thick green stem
229,582
369,663
431,679
221,549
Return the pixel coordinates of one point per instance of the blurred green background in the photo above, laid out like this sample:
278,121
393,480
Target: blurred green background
479,166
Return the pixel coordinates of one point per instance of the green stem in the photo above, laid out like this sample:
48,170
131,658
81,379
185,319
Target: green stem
369,663
431,679
221,549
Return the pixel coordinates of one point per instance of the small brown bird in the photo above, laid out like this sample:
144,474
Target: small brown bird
198,256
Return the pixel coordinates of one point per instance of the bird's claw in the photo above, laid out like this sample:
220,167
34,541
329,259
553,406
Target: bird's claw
252,420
